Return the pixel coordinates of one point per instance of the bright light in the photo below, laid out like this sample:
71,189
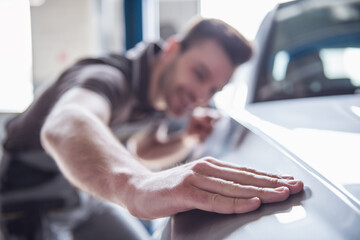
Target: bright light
36,3
245,16
351,62
295,214
355,110
15,58
342,63
281,61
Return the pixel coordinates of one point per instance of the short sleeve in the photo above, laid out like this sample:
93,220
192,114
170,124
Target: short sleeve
109,82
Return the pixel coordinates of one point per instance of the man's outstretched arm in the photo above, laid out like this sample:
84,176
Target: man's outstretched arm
77,135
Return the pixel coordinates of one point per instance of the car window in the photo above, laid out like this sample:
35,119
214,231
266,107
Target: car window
313,50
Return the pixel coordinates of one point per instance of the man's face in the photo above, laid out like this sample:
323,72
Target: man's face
192,77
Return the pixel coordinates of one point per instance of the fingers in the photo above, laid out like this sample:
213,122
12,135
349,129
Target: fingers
234,190
209,185
246,176
213,202
233,166
201,127
207,112
226,188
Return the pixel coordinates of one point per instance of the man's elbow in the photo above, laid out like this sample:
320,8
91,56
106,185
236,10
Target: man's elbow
49,134
59,126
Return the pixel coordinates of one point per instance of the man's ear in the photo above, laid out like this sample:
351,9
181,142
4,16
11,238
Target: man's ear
172,46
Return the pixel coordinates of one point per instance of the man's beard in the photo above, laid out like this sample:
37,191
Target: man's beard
164,85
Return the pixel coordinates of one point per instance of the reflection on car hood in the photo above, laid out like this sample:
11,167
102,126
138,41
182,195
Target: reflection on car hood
335,113
323,132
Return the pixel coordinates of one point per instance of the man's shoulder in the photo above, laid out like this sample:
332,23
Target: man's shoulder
144,48
117,60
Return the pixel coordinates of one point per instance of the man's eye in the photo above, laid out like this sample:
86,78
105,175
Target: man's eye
199,75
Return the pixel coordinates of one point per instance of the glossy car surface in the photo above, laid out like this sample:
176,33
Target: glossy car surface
295,109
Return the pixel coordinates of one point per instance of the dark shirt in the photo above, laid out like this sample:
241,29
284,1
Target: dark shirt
121,79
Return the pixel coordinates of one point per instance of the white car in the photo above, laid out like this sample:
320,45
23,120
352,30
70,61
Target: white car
294,109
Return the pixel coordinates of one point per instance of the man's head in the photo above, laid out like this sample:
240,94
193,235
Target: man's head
196,64
235,46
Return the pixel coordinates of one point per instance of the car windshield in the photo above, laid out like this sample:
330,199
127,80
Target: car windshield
314,50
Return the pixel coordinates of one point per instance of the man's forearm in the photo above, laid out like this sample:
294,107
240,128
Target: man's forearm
89,155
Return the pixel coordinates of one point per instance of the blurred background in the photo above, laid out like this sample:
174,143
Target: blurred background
40,38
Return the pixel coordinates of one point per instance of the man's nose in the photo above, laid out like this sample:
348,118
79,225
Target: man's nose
202,96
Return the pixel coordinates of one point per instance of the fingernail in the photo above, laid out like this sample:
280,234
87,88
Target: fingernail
281,189
254,200
287,177
293,182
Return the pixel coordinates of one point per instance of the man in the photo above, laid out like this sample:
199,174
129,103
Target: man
73,120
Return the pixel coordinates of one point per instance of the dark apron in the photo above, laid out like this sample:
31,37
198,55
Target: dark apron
34,177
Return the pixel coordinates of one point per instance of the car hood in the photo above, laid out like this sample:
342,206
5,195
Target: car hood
321,132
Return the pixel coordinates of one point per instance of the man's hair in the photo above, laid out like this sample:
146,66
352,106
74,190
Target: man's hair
236,47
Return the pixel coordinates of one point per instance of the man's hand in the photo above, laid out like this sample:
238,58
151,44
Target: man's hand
202,122
207,184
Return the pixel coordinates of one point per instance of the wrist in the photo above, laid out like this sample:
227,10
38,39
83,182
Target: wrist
128,191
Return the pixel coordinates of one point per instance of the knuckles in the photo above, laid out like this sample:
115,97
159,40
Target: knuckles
203,164
188,178
275,182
